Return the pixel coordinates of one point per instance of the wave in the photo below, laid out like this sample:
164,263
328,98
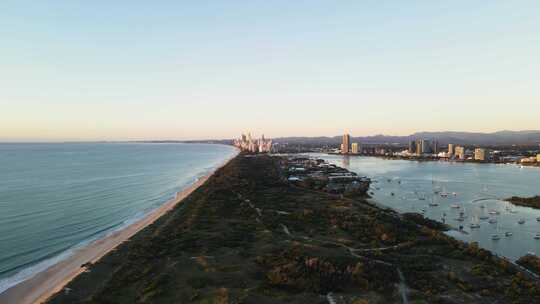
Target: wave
40,266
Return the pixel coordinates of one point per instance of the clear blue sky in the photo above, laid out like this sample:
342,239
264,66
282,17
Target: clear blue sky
105,70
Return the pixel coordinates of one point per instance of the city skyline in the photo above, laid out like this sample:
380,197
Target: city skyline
93,71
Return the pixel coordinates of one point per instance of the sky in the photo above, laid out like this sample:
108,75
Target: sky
134,70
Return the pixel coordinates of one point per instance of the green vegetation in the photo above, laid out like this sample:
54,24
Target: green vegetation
533,202
248,236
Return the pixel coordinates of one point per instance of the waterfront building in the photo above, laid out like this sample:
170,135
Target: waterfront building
435,147
423,146
460,152
345,144
538,158
480,154
355,147
418,145
451,150
412,147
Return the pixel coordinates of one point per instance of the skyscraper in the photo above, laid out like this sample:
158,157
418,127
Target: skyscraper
435,147
345,144
412,147
355,148
423,146
451,149
480,154
460,152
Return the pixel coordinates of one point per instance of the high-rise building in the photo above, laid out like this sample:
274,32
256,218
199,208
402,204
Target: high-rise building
423,146
345,144
480,154
247,143
538,158
435,147
355,148
418,146
412,147
460,152
451,149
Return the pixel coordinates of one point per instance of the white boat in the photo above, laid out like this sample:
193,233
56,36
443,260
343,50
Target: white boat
474,226
521,221
492,221
444,194
460,219
537,236
454,206
433,204
494,212
495,237
454,193
508,233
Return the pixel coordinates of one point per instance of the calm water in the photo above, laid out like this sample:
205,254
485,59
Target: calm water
57,197
475,186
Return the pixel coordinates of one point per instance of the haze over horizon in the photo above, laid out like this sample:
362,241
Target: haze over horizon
89,71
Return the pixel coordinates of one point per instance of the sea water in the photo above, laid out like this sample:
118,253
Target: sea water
55,198
479,190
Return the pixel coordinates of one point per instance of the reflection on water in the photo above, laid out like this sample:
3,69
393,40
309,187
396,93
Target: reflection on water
466,195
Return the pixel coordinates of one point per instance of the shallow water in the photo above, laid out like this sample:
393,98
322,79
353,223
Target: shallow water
57,197
475,186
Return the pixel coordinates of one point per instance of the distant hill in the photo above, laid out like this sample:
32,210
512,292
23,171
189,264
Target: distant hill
528,137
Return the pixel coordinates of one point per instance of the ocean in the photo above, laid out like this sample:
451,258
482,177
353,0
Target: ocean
478,190
55,198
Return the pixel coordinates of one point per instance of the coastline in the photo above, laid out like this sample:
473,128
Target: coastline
44,284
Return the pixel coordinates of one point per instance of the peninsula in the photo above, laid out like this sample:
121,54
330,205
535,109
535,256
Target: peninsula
533,202
249,235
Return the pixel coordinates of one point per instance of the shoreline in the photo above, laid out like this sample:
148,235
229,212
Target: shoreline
44,284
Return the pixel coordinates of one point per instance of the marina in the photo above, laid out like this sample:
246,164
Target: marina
467,197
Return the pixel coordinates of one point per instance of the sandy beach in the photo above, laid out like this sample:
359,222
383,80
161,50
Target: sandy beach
46,283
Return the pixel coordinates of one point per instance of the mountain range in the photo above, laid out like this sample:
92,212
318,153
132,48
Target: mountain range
527,137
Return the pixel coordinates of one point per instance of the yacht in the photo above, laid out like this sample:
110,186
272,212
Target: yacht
494,212
484,217
455,206
474,226
537,236
433,204
495,237
508,233
460,219
492,221
521,221
454,193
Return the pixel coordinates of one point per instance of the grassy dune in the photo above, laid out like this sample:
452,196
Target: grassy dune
247,236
